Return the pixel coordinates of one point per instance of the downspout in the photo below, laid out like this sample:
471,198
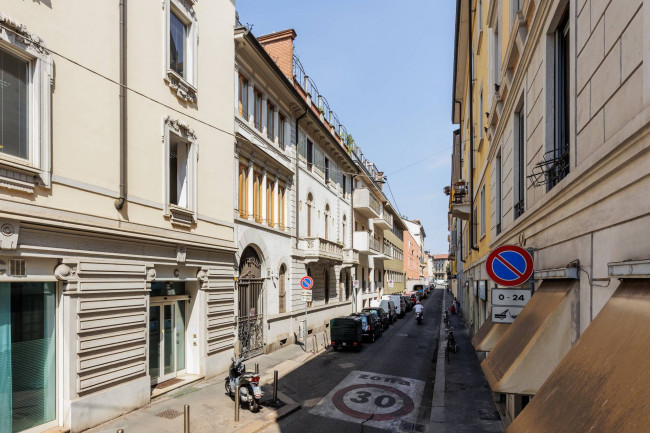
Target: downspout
297,183
460,238
471,127
119,202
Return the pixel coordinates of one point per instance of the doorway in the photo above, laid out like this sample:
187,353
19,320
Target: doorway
167,330
250,326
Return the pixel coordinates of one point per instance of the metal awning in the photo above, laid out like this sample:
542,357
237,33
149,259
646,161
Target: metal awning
489,335
536,342
601,385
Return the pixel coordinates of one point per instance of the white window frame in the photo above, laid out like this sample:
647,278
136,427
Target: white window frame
182,216
186,87
18,173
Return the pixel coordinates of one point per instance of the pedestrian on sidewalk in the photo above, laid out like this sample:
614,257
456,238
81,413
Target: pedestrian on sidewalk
454,306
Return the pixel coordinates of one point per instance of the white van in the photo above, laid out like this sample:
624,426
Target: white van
400,305
386,305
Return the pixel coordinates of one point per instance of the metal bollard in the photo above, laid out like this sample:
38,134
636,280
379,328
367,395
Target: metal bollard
237,403
187,418
257,368
275,386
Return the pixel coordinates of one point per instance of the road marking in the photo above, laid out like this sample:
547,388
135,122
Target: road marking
378,400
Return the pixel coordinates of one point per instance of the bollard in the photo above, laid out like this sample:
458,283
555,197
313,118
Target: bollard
315,344
120,431
257,368
187,418
237,403
275,386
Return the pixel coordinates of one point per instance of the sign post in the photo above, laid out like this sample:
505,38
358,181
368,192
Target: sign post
509,266
306,283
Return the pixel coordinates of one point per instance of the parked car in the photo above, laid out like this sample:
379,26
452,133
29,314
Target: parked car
371,325
421,289
346,332
381,314
400,305
387,306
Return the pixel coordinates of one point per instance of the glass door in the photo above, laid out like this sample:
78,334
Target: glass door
166,340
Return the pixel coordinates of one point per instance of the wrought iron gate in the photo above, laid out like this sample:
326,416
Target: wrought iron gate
250,319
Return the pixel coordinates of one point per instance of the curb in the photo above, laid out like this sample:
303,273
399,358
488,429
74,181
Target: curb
437,417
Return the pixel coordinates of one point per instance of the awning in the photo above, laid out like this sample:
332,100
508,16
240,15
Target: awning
535,343
489,335
602,384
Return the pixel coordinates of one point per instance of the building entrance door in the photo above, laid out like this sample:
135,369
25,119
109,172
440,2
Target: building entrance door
167,328
250,317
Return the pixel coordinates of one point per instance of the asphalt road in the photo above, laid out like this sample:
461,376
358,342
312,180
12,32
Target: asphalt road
388,385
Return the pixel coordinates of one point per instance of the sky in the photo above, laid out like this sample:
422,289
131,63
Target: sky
385,67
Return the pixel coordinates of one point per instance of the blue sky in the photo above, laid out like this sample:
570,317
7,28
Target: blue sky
385,68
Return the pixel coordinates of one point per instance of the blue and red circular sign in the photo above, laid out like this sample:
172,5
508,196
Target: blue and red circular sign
306,283
509,265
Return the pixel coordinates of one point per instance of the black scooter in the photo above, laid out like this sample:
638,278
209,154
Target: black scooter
249,384
418,316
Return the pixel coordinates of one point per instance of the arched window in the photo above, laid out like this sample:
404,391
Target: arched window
327,285
310,200
282,291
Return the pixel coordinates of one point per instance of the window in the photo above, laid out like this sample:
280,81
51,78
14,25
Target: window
177,38
483,221
180,172
515,6
282,126
282,291
258,110
243,191
14,106
181,48
327,170
319,161
281,207
480,114
257,197
345,186
520,173
25,109
270,121
475,227
479,16
498,191
327,221
309,204
344,232
496,56
560,167
243,97
269,203
310,154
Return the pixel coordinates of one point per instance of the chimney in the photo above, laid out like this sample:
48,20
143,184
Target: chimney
279,45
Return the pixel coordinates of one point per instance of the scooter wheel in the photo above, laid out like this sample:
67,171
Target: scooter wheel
254,405
228,390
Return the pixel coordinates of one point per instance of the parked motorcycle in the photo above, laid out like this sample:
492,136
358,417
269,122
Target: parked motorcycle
250,391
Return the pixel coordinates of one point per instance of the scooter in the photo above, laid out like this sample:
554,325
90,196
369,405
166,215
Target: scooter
419,318
249,384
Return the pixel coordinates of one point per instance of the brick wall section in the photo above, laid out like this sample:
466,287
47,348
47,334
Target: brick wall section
279,45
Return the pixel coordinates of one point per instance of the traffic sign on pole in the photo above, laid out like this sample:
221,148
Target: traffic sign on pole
511,297
356,284
306,283
509,265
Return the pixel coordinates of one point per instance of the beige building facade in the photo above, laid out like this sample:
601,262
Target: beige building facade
117,238
568,160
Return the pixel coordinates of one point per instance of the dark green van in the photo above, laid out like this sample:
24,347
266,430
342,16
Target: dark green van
346,332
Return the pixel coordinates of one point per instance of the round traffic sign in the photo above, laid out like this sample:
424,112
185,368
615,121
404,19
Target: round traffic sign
306,283
381,402
509,265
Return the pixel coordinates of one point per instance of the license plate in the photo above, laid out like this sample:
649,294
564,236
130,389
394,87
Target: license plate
257,391
345,344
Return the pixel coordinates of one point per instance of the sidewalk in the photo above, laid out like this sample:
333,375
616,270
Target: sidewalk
210,408
462,400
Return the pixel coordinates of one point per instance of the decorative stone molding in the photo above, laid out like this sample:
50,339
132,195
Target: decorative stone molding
180,127
9,230
202,275
183,89
181,217
29,40
151,274
64,272
181,253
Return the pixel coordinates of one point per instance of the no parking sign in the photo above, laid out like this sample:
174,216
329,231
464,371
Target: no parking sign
509,265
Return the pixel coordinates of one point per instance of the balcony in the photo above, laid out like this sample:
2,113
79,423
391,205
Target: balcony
365,203
460,207
321,250
385,222
350,256
366,244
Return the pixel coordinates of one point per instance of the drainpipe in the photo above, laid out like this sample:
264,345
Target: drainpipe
119,202
297,183
471,128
